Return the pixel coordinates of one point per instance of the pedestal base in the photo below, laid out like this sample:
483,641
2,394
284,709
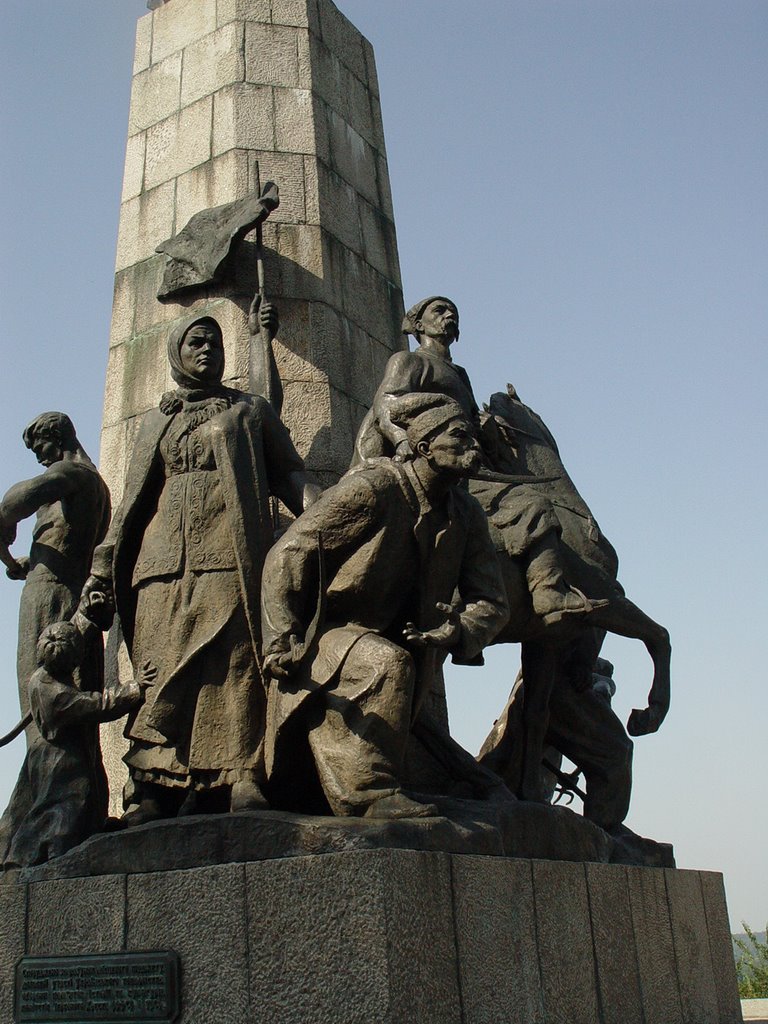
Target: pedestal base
401,937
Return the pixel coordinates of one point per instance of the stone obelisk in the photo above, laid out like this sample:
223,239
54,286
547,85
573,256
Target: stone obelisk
228,94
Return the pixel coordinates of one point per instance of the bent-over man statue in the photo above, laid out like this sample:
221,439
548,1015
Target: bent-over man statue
358,612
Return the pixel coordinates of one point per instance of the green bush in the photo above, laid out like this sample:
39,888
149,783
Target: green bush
752,965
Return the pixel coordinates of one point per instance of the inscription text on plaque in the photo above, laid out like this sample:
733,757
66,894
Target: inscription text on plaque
135,988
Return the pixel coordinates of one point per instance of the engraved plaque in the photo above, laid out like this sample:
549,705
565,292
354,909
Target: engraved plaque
140,988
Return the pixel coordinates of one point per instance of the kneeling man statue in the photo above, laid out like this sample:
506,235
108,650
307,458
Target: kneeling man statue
391,570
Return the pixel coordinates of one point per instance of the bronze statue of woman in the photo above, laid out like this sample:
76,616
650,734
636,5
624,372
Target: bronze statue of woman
184,559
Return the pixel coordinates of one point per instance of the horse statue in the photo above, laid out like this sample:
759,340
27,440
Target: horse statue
558,659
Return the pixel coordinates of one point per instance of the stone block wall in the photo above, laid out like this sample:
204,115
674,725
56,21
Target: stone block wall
392,936
226,95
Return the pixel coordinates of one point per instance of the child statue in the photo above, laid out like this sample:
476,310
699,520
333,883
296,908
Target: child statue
61,796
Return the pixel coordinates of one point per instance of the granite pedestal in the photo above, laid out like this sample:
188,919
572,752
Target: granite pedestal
392,935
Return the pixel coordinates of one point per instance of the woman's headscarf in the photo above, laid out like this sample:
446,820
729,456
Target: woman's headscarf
175,340
189,387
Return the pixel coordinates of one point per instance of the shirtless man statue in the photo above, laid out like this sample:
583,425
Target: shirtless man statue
72,506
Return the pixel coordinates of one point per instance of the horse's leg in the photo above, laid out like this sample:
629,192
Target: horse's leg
623,617
538,665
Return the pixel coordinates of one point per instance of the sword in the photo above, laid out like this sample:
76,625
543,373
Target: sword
16,730
300,649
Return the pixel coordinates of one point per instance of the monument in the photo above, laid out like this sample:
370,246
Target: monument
296,836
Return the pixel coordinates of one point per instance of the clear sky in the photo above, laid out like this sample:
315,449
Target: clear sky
588,181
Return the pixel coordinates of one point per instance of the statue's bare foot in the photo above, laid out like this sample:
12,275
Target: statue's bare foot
148,809
246,795
190,805
398,805
553,604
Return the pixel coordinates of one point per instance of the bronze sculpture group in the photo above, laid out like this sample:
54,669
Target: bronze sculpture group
294,672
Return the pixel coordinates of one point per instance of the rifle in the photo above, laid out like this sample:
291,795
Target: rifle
511,478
